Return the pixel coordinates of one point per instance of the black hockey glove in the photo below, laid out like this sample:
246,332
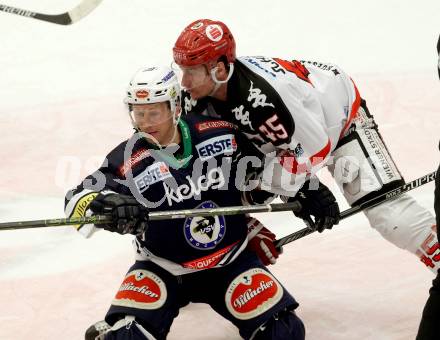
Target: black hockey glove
318,203
129,216
257,195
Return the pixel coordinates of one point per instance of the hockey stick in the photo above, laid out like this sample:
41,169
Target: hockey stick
366,205
66,18
155,215
175,214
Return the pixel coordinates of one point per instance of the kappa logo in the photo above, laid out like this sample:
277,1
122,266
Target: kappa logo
252,293
141,289
189,104
213,179
224,144
205,232
243,117
258,98
154,173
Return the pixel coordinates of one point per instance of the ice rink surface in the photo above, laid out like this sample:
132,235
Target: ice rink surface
61,111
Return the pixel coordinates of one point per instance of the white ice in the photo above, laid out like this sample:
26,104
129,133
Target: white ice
61,110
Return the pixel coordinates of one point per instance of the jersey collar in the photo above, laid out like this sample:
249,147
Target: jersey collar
177,159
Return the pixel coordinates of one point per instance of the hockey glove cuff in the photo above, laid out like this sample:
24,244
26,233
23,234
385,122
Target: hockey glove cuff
261,241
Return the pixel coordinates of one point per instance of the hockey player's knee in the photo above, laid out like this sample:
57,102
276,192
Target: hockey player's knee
284,325
403,222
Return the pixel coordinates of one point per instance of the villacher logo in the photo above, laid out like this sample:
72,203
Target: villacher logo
252,293
141,289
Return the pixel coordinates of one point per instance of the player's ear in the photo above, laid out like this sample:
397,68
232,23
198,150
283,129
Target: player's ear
222,69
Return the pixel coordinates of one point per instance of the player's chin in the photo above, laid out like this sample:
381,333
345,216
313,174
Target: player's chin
196,94
193,94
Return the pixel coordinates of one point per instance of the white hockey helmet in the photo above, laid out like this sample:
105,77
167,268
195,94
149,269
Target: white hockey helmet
154,85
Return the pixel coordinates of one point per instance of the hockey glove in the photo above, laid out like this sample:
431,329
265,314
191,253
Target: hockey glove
318,203
257,195
129,216
261,241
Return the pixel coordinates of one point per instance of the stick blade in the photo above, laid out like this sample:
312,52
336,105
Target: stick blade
82,10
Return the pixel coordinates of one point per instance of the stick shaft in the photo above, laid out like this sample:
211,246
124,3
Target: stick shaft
366,205
155,215
66,18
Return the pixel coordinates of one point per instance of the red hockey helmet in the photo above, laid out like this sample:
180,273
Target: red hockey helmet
204,41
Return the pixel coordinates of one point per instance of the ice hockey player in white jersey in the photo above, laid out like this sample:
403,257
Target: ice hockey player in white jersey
304,115
182,260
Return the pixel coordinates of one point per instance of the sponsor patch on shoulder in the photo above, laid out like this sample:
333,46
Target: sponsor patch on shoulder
224,144
214,124
152,174
141,289
133,160
252,293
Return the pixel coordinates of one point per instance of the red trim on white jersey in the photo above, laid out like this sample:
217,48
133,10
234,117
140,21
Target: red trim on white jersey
290,163
354,110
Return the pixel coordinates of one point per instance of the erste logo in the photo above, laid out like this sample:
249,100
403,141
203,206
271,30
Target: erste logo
224,144
152,174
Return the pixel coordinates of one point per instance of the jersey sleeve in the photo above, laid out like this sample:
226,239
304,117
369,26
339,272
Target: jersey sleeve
288,104
301,139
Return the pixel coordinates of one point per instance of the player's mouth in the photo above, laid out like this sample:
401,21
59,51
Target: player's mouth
192,93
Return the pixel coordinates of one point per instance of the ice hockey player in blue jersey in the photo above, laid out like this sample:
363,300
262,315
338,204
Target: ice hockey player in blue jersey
171,163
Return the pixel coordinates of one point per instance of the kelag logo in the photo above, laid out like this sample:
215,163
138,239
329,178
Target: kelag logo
224,144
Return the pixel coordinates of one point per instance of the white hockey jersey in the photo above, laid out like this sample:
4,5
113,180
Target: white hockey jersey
293,111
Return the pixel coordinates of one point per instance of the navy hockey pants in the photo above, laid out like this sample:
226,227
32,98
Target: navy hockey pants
244,292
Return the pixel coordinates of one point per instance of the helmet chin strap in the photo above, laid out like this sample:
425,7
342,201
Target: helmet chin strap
220,82
172,137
